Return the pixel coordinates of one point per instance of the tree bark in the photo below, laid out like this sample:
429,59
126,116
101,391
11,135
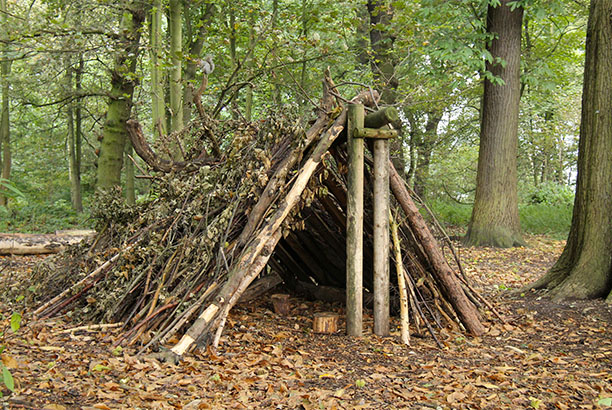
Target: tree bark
5,133
195,47
158,104
36,244
77,199
73,163
495,218
584,269
119,107
425,148
175,25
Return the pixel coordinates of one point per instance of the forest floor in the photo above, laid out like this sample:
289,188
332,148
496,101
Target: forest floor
548,356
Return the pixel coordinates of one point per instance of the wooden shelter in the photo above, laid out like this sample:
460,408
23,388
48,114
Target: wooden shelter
275,201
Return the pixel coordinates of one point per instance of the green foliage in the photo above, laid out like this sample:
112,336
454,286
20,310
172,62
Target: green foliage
9,189
553,220
15,322
7,378
41,217
451,213
550,193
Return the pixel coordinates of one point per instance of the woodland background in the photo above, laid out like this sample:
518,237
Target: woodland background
58,60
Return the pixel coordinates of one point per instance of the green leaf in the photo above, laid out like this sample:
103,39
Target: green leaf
7,377
15,322
360,383
100,368
605,401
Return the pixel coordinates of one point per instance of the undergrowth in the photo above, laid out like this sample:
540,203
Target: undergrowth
27,217
536,218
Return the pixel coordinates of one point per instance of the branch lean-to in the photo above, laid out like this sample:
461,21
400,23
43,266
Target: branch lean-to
275,196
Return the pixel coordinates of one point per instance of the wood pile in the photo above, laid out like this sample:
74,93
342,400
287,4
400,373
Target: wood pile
250,200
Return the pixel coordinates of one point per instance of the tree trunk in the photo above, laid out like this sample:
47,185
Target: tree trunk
73,166
248,99
158,104
584,269
175,25
38,244
382,64
77,200
427,143
381,40
5,135
195,50
495,219
120,104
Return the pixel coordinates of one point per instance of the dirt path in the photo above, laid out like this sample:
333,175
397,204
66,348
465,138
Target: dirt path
549,356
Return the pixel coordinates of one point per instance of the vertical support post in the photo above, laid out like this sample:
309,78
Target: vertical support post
354,226
381,237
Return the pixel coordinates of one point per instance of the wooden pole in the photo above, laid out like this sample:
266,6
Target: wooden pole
354,228
381,237
382,117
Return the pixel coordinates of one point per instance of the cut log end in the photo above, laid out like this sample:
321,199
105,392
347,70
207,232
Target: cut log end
325,322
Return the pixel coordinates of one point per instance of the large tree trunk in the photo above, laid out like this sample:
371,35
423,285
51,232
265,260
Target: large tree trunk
119,107
584,269
495,218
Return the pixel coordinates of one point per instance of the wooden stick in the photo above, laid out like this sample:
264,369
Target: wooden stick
401,281
254,270
88,328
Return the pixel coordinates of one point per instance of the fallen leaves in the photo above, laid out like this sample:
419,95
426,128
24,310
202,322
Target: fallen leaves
547,357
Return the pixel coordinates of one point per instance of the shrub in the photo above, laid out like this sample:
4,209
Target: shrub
549,193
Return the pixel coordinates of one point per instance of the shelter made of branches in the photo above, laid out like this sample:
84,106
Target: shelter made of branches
250,199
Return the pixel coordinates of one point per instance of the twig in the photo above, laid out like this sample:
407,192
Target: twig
89,328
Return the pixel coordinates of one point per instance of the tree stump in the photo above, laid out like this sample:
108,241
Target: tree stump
325,322
281,304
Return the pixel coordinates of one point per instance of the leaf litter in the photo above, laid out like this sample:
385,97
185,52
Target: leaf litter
547,356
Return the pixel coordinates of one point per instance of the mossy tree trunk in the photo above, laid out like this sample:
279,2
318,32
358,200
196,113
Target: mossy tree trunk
175,25
120,104
584,269
495,218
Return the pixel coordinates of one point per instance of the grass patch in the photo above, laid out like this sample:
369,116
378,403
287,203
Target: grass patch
539,219
551,220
